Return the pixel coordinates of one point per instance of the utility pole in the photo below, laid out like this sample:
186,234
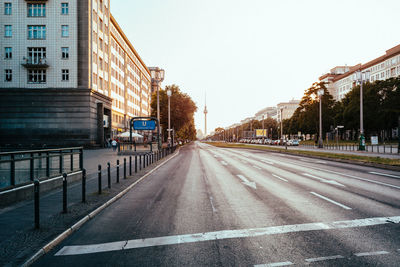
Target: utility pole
205,116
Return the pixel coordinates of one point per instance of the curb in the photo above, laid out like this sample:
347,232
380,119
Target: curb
49,246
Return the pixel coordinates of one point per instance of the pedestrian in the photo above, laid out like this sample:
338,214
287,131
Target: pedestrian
114,144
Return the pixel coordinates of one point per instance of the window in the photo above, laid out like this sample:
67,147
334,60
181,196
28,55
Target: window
36,76
36,54
7,31
8,75
64,8
7,53
36,10
36,32
65,75
64,30
7,8
64,52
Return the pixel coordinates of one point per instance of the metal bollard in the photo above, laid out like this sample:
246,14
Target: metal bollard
130,165
109,174
144,162
65,210
83,185
135,163
117,170
99,179
124,168
140,162
36,191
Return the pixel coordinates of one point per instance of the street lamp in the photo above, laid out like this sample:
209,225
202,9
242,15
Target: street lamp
169,93
263,129
337,133
157,76
281,126
320,94
361,77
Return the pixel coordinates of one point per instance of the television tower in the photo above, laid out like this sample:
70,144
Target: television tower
205,116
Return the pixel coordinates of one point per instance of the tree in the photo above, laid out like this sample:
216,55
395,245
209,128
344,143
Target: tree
182,112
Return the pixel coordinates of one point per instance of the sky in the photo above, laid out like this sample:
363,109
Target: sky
245,55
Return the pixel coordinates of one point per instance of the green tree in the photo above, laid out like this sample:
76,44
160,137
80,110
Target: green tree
182,112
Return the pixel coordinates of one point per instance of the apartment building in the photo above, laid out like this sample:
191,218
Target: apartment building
341,79
286,109
70,75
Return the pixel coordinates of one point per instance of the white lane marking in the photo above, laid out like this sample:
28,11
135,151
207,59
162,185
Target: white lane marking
283,263
358,178
322,162
324,258
283,179
244,161
332,201
216,156
385,174
247,182
212,205
372,253
224,163
266,161
324,180
256,167
224,234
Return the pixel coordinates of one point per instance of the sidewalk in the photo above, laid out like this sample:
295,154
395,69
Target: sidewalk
18,238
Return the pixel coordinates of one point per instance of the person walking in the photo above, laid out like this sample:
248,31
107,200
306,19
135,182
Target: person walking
114,144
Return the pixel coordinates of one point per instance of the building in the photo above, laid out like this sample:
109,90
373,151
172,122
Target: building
287,108
268,112
340,80
70,75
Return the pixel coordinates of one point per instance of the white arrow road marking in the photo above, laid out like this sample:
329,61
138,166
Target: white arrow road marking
283,263
266,161
358,178
224,163
283,179
224,234
256,167
385,174
247,182
323,180
332,201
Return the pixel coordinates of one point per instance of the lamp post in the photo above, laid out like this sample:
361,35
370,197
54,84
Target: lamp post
157,76
263,129
361,77
337,133
320,94
169,93
281,126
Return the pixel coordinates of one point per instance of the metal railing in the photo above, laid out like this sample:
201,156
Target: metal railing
382,149
23,167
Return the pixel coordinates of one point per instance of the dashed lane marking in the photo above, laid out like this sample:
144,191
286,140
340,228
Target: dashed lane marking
283,263
372,253
385,174
331,201
258,168
324,258
280,178
224,163
266,161
224,234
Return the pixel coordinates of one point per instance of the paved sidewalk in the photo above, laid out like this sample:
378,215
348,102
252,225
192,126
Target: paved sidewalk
18,238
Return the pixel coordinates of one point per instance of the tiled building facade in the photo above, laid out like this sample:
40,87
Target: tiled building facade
69,73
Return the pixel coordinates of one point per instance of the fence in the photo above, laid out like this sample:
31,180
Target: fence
22,167
383,149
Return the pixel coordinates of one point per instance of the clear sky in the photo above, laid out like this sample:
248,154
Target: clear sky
250,54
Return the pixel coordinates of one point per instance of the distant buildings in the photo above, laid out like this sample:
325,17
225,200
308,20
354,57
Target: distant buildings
70,76
286,109
340,80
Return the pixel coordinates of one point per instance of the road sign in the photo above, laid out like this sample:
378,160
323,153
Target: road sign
144,125
374,140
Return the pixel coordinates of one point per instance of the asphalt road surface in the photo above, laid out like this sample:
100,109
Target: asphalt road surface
211,206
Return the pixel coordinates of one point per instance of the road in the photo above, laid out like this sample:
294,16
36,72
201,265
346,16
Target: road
211,206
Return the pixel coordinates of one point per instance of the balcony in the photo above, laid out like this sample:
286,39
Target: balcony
35,63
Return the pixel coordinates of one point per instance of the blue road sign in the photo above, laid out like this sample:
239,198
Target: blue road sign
144,125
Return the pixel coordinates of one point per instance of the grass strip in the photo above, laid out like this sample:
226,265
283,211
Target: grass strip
358,158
